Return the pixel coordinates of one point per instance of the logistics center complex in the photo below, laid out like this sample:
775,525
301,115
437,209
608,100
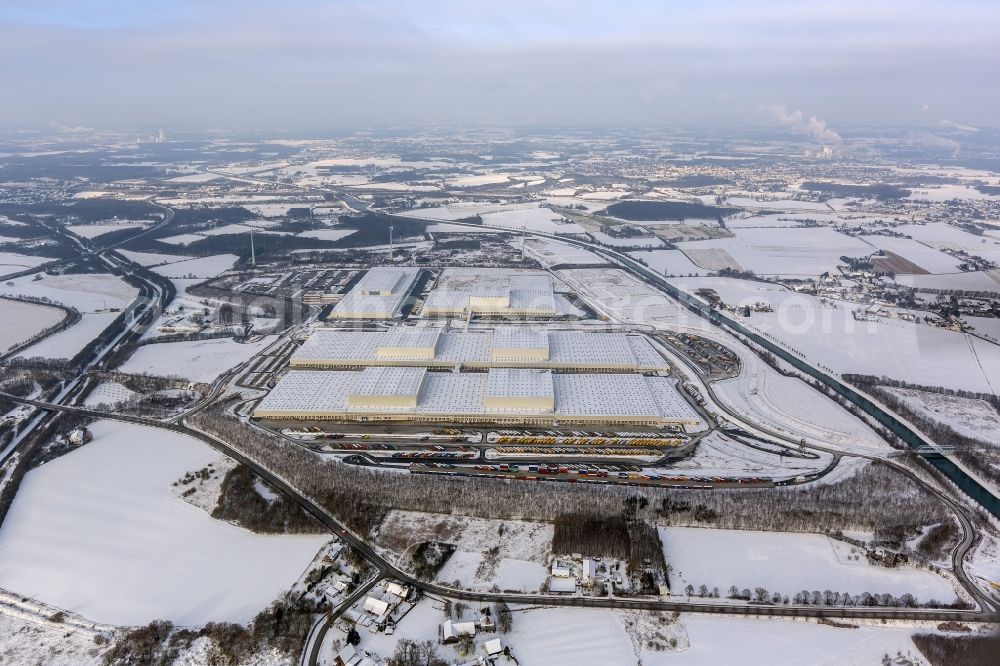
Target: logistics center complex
505,346
512,375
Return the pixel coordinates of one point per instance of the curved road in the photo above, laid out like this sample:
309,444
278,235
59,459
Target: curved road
388,569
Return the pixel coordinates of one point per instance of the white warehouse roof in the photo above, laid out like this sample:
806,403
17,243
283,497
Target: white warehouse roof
565,349
379,294
383,380
622,397
519,383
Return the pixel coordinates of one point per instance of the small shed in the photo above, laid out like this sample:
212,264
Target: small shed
493,647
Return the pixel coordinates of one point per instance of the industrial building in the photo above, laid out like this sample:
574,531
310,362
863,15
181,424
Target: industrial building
505,346
509,396
491,294
379,294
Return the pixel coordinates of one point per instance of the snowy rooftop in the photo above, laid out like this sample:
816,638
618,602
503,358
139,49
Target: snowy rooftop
381,291
413,338
383,279
519,383
566,348
513,337
383,380
449,393
532,299
360,303
447,300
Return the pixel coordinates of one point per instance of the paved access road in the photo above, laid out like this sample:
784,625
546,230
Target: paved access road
387,569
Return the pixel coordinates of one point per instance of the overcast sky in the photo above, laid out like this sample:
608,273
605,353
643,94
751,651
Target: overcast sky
307,64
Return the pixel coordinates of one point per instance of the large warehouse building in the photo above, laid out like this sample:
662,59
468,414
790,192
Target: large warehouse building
503,396
377,295
491,294
505,346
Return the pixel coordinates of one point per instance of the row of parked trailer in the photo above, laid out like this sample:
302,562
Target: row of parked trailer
574,451
589,441
618,474
434,454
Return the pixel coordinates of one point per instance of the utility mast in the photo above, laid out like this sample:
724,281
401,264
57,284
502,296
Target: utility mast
390,243
253,255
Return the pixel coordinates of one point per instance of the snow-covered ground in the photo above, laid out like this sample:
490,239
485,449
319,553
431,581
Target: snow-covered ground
788,405
196,361
720,455
928,258
88,292
95,230
967,416
152,258
109,393
669,262
973,281
330,234
23,320
68,343
550,253
532,219
12,262
722,641
987,327
93,294
828,334
569,636
99,533
787,252
51,644
518,563
787,563
203,267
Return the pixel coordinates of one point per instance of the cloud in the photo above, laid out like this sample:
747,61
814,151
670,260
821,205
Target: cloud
928,140
951,124
317,64
797,122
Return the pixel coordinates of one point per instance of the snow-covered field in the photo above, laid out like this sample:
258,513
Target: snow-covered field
968,416
928,258
786,563
109,393
550,253
669,262
788,405
478,181
786,252
88,292
23,320
723,641
196,361
95,230
972,280
93,294
987,327
328,234
203,267
533,219
568,636
12,262
152,258
828,334
99,533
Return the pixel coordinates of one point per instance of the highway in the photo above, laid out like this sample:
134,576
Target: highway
386,569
